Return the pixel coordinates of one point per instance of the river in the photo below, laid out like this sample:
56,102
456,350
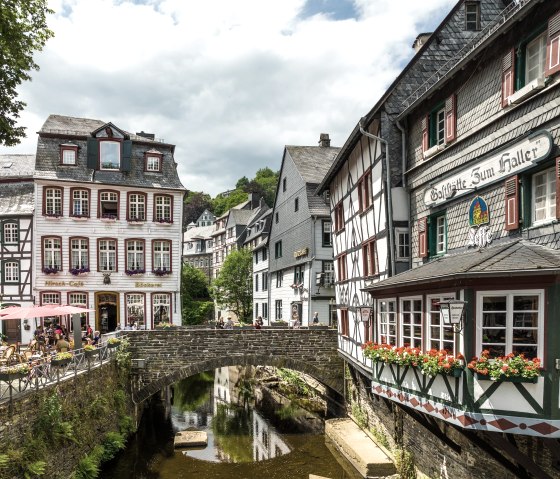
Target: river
253,432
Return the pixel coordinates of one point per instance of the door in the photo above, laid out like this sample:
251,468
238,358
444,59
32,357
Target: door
107,312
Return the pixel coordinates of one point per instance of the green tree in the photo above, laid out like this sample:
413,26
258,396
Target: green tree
233,288
194,205
23,30
195,296
223,203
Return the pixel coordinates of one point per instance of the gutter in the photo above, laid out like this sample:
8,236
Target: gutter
389,195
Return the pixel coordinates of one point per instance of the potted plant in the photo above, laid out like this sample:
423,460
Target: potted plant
164,325
440,362
90,350
79,270
11,373
51,269
161,271
61,359
511,368
113,342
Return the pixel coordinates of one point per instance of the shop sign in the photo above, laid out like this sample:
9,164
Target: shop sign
364,314
509,161
73,284
140,284
301,252
479,217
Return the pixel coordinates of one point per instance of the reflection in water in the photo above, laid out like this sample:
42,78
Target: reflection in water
251,433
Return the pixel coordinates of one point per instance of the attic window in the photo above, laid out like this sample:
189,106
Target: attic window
68,154
472,16
153,160
109,155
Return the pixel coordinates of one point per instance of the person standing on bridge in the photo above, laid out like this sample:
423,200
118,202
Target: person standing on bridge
229,323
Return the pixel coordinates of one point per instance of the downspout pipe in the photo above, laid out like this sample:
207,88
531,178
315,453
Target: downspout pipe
403,152
389,195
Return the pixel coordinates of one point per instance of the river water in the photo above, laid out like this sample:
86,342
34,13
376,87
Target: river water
253,432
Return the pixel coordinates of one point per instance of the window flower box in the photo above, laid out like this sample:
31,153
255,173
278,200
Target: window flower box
161,272
79,271
52,216
506,379
109,218
61,359
51,270
79,217
136,221
511,368
134,272
163,221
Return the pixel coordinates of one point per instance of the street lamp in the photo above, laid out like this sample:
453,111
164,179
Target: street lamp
451,313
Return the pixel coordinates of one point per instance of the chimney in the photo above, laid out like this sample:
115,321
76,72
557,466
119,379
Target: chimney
149,136
324,140
421,40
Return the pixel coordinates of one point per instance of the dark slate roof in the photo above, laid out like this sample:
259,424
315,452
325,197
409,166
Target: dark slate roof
312,162
17,198
316,203
513,258
238,217
17,166
263,214
59,129
198,232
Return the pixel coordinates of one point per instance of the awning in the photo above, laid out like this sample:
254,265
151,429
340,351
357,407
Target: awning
518,258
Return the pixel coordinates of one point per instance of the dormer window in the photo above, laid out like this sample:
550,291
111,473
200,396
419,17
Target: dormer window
68,154
153,160
109,155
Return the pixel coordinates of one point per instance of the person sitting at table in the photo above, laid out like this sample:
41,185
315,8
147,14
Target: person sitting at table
62,345
96,338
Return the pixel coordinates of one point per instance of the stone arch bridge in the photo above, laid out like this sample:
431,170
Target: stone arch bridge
175,354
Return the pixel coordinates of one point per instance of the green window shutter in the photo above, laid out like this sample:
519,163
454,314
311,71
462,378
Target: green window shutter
126,155
92,153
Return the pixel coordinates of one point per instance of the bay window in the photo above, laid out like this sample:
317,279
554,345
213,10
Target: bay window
387,321
440,335
411,322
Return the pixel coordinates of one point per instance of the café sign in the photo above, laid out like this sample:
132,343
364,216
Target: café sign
516,158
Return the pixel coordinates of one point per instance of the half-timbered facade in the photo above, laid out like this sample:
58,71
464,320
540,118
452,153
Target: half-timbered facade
301,263
108,223
16,241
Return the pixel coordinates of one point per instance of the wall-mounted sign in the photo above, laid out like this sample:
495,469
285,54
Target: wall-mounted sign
73,284
139,284
479,217
301,252
478,212
508,161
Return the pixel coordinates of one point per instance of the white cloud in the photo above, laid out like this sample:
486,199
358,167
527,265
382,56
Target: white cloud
230,83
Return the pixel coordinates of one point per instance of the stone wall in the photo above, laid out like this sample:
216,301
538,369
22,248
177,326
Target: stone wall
460,456
171,355
87,402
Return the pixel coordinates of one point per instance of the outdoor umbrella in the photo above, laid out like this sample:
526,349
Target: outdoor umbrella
24,312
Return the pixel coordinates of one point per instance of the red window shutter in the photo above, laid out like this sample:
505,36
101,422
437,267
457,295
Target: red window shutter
552,63
558,187
450,119
423,237
425,125
512,203
508,76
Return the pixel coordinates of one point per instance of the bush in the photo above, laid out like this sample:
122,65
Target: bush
88,468
112,444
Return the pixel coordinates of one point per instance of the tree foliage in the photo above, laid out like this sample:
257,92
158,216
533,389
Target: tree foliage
23,30
223,203
233,288
195,296
194,205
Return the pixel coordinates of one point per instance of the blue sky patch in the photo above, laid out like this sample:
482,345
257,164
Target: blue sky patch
335,9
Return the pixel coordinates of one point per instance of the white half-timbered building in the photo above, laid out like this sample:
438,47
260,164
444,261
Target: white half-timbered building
16,241
108,223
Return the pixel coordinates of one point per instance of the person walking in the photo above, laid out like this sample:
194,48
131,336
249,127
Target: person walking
316,318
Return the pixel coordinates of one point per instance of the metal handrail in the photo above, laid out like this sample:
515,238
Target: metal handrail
44,372
514,7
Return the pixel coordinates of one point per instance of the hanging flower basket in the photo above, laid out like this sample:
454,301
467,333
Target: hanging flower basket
113,343
61,359
91,351
14,372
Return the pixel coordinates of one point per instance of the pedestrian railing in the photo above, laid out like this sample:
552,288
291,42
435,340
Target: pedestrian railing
47,370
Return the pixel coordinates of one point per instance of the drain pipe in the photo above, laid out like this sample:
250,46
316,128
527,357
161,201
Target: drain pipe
403,152
389,195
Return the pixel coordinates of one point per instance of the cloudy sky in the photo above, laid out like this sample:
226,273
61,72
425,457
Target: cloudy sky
230,82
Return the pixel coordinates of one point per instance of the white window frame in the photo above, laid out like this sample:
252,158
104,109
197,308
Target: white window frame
440,127
412,340
278,309
104,150
79,253
509,316
135,255
108,197
540,56
441,234
382,322
161,300
80,202
136,308
53,201
153,164
162,255
136,207
69,156
11,232
441,327
52,253
107,255
403,249
50,298
11,272
549,197
163,207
